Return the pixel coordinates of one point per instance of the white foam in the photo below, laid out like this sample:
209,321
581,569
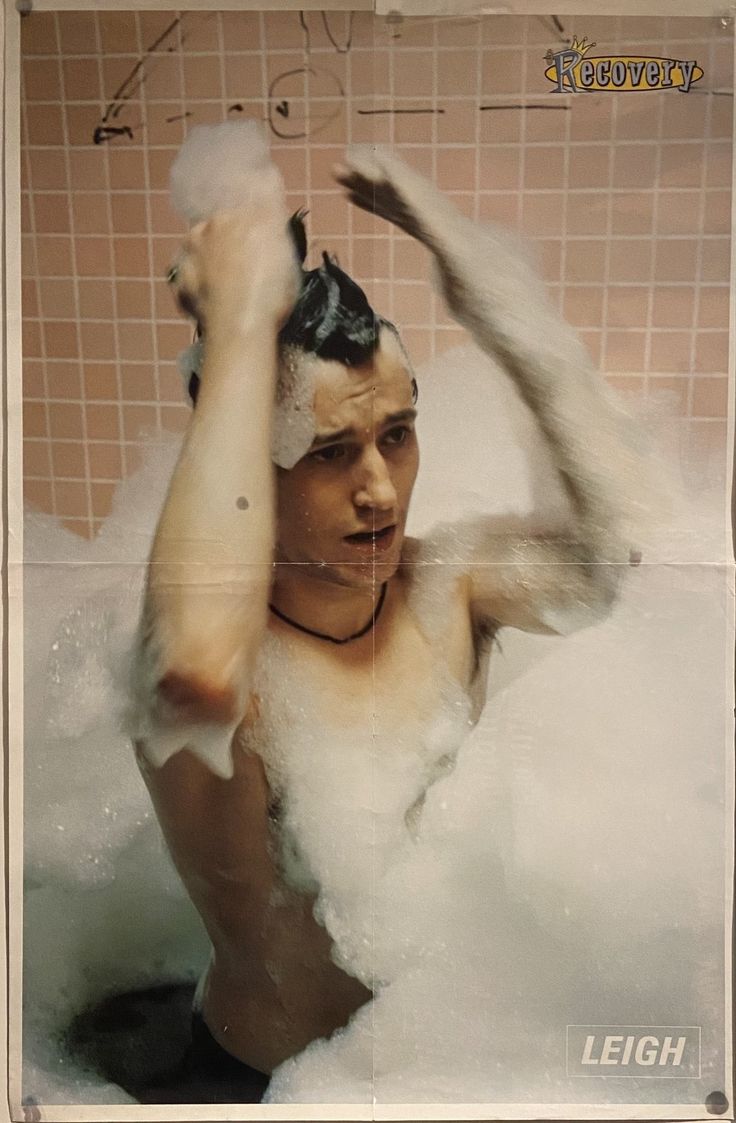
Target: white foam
569,869
294,424
214,169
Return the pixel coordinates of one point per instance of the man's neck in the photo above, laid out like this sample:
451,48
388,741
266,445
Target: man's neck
322,606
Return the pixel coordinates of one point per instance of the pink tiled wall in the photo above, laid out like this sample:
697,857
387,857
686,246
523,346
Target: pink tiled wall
626,196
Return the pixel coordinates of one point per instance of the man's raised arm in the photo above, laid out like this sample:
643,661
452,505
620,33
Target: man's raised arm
565,578
209,571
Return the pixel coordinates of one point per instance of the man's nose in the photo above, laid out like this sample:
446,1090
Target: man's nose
374,487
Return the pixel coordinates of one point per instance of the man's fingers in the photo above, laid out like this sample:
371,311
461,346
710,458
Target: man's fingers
342,173
375,194
359,168
367,203
358,187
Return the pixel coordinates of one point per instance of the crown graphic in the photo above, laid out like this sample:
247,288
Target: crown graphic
581,45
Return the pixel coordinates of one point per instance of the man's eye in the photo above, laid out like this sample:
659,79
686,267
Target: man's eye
397,435
329,452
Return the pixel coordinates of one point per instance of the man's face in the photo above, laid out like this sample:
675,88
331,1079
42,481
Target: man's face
342,509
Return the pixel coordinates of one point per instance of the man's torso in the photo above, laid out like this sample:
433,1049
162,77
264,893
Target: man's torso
400,694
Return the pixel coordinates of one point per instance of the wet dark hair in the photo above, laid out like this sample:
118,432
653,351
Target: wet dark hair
331,318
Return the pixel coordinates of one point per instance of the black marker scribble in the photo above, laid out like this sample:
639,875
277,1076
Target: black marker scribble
349,39
529,105
556,24
178,117
395,21
305,28
271,88
328,32
128,88
237,108
104,133
283,109
131,85
377,112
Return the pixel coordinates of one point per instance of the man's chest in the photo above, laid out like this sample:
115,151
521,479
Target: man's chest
393,680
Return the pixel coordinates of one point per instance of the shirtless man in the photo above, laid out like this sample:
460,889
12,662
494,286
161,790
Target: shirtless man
313,556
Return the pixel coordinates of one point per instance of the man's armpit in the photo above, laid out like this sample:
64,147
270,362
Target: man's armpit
545,584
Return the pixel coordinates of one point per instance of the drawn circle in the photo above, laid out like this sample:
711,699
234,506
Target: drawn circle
288,115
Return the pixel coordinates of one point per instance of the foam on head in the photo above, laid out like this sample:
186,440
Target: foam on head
294,424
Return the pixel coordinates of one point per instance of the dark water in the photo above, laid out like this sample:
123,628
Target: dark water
147,1043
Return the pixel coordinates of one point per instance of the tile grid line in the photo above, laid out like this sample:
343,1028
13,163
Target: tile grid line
349,140
698,280
115,325
75,289
603,360
182,109
435,300
332,192
477,129
446,99
521,180
564,232
152,280
390,230
35,280
656,198
307,52
656,329
673,41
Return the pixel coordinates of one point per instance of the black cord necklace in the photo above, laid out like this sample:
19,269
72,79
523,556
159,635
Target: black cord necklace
331,639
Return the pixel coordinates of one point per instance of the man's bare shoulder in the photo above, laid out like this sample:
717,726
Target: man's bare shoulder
473,540
464,540
437,591
453,560
434,562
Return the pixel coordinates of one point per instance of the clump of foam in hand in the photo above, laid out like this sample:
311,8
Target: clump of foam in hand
220,167
215,168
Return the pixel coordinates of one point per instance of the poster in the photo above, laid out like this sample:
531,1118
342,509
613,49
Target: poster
531,871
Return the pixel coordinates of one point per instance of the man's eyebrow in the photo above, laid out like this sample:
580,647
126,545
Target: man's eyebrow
343,434
332,438
402,415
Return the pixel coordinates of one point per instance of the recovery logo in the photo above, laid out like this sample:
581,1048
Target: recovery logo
573,73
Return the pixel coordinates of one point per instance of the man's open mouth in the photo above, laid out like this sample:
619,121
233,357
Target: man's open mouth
373,539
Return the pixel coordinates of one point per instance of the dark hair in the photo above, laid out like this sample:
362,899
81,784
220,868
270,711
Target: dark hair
331,318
